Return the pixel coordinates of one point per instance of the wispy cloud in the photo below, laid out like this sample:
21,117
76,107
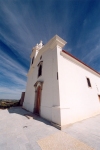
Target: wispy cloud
13,78
92,55
14,85
25,22
11,64
13,93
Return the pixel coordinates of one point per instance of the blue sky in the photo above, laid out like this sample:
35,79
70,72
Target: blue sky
23,23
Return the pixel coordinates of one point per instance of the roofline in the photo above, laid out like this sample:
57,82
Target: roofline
80,61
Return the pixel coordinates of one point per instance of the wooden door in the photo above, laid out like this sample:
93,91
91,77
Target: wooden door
38,100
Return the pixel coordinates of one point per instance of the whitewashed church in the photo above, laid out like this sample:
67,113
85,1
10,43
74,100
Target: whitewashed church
61,88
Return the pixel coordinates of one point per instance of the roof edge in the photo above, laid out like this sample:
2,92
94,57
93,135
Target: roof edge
80,61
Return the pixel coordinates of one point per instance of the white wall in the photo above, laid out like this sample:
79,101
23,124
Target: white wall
68,99
77,100
50,95
30,91
50,92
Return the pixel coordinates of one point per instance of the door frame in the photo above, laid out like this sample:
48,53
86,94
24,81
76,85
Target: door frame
99,97
38,92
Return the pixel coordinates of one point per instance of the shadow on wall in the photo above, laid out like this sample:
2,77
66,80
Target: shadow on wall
27,114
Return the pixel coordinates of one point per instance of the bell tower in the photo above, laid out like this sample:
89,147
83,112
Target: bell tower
35,51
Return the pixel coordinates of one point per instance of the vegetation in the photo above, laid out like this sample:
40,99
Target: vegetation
8,103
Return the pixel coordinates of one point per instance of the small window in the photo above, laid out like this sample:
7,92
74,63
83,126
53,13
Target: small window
57,75
40,70
99,97
32,60
88,82
40,57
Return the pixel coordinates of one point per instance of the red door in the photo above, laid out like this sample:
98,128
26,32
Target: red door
38,100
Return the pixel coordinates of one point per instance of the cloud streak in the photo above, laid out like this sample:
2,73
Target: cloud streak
25,22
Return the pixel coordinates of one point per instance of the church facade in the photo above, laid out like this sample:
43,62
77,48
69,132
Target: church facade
60,88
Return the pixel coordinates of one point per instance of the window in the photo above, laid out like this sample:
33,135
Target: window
40,57
57,75
40,65
40,70
99,97
32,60
88,82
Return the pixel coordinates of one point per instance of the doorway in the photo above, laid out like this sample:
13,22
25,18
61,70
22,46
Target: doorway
38,98
38,92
